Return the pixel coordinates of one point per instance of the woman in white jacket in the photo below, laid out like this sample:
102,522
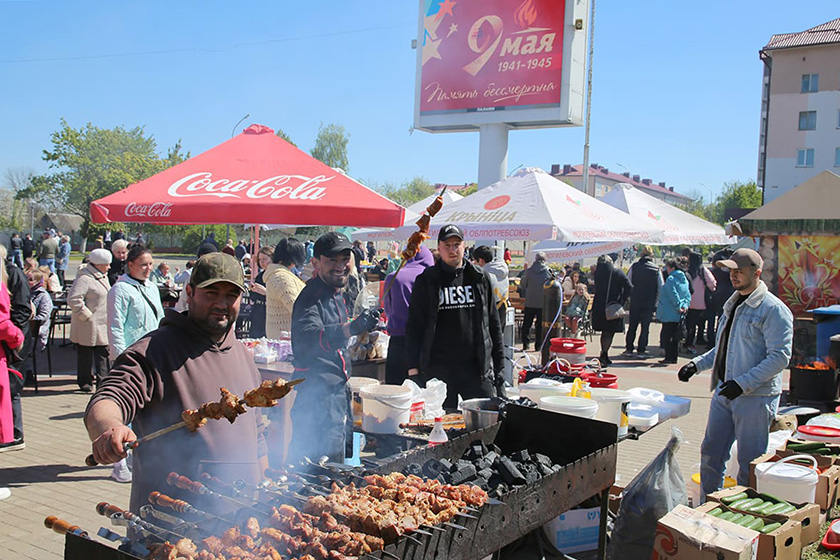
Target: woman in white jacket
88,301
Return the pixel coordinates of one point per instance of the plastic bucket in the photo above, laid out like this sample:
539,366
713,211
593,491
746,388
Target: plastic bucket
693,488
612,407
574,406
794,483
605,380
539,388
355,384
571,349
385,407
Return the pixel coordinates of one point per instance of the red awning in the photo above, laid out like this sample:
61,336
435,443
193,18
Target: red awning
253,178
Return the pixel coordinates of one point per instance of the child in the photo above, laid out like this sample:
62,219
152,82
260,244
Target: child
42,305
576,308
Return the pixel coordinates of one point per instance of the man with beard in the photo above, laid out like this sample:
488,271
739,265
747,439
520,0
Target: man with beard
752,350
179,366
321,326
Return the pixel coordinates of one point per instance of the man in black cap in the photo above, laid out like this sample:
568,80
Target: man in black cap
180,366
453,331
321,326
753,348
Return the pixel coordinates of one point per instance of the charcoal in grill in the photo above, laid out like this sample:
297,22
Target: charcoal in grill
491,458
413,469
510,472
432,468
464,474
521,456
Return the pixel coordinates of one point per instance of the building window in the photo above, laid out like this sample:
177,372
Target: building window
838,118
837,157
805,157
810,83
807,120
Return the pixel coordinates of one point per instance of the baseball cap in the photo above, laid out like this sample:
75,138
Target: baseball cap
331,244
217,267
741,259
450,230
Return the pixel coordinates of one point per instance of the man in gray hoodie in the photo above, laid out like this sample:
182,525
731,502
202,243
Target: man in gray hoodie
532,283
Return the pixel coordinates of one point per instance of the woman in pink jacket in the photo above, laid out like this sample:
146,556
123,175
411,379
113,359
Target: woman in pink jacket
12,339
701,280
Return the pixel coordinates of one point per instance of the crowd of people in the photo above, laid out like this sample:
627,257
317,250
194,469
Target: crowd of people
140,342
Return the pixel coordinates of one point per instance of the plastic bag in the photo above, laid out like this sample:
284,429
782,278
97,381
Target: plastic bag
655,491
433,396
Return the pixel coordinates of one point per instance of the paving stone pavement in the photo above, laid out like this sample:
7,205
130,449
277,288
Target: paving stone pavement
49,476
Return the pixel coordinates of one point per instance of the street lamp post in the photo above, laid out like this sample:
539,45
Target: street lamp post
232,134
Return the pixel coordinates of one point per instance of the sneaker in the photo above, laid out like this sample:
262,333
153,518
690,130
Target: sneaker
644,356
5,493
86,388
628,354
121,472
14,445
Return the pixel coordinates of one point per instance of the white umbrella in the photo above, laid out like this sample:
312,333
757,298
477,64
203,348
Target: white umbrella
412,215
533,205
680,227
562,252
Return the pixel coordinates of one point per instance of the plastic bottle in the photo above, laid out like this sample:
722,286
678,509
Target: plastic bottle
438,434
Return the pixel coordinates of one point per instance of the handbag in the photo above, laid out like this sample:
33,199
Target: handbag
613,310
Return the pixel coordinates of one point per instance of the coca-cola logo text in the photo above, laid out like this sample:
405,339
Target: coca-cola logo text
153,210
291,186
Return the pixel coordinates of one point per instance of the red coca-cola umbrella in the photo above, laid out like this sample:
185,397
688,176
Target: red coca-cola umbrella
253,178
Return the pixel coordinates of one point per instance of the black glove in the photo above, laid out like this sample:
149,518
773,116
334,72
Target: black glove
687,371
730,389
366,321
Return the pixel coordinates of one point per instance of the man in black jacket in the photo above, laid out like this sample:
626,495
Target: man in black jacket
647,281
453,331
321,326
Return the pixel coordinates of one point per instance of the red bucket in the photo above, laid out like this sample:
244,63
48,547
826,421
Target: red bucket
605,380
571,349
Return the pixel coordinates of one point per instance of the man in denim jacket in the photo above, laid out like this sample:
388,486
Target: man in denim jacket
752,349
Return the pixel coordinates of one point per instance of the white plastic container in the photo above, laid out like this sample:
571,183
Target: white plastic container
642,421
794,483
355,384
612,407
574,406
385,407
538,388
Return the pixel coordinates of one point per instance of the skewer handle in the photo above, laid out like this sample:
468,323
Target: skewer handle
107,510
184,483
165,501
90,461
62,527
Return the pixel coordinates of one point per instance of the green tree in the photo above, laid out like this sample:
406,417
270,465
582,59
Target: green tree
281,134
409,192
91,162
737,194
331,146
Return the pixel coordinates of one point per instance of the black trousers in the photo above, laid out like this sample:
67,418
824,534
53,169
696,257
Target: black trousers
670,340
463,380
88,360
60,273
639,317
395,368
694,322
530,314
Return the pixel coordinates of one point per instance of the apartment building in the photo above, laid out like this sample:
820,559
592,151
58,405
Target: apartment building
800,108
602,180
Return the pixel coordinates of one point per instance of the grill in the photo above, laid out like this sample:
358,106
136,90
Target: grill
587,450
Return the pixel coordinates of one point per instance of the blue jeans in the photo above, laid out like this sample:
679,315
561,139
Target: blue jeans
47,262
17,257
746,419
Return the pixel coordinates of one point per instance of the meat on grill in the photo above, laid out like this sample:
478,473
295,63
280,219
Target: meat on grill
228,407
267,393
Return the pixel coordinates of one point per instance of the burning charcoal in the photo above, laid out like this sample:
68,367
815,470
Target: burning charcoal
485,473
521,456
481,483
495,480
544,470
432,468
491,456
463,475
446,464
444,478
543,459
413,468
483,463
532,477
510,473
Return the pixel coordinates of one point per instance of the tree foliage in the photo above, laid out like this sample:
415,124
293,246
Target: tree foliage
331,146
408,192
91,162
737,194
282,134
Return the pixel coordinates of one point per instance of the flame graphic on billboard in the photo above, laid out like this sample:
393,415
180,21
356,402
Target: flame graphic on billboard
526,14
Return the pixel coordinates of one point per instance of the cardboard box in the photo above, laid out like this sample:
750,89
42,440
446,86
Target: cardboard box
689,534
833,447
807,514
576,530
785,543
826,493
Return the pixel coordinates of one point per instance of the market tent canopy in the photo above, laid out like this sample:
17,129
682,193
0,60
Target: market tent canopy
533,205
255,177
813,207
681,228
411,216
565,252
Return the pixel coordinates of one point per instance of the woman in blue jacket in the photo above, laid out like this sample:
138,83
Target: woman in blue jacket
674,299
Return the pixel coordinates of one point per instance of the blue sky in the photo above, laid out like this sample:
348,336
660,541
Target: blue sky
676,84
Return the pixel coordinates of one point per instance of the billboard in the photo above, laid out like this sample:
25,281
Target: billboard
809,275
517,62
